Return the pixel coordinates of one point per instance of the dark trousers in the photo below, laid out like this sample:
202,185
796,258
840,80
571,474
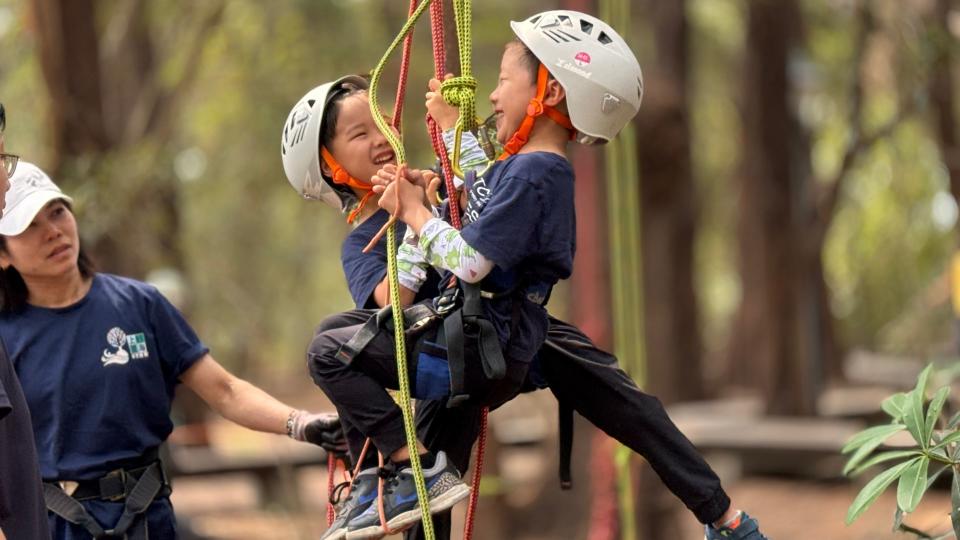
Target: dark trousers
588,379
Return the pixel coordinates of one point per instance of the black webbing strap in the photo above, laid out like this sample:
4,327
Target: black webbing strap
488,343
135,504
565,414
416,318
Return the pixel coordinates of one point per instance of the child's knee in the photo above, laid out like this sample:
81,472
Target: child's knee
322,353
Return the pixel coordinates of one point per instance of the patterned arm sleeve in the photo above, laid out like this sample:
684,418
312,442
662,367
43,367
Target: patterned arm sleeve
445,248
412,265
472,156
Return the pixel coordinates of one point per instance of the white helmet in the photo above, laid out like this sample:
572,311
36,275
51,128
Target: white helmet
596,68
300,146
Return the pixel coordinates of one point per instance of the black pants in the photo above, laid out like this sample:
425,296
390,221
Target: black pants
588,379
359,389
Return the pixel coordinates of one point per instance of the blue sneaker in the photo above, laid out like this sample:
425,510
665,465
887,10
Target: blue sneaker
748,529
400,505
362,495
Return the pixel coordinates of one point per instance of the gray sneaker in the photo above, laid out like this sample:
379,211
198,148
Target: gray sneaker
362,495
400,505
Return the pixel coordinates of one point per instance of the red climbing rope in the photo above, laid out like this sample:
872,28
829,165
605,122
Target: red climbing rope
439,64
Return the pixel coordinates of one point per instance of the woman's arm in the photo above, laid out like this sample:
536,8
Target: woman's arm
243,403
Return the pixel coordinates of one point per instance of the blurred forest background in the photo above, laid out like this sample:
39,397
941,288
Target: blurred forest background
799,172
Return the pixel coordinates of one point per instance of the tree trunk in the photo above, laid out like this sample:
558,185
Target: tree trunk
668,214
70,61
783,333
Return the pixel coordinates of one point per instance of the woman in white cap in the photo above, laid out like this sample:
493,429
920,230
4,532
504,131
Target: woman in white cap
99,356
22,512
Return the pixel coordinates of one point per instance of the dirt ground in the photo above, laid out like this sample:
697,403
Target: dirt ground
227,509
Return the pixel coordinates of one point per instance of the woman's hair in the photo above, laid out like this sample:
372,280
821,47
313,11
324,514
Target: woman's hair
13,290
331,113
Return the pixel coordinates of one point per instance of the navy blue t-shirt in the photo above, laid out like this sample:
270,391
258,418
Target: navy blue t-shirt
99,375
364,271
23,514
521,217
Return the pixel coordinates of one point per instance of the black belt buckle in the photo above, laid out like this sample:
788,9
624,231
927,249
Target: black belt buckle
113,485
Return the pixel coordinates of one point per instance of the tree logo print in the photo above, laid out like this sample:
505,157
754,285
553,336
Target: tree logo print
116,338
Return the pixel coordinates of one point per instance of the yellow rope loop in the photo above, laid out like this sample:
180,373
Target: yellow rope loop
461,92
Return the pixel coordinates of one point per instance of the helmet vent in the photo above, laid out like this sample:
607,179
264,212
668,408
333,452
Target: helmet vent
586,26
560,35
533,20
604,38
310,102
564,19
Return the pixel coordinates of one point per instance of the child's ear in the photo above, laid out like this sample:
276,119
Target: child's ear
555,93
5,261
325,169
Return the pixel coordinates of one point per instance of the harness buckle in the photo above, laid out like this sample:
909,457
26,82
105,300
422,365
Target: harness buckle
447,301
112,478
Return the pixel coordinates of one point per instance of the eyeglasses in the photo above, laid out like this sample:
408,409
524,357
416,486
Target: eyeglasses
9,163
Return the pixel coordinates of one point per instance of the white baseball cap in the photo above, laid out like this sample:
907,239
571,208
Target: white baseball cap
30,190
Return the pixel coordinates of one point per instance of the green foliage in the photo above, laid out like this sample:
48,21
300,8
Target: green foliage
935,442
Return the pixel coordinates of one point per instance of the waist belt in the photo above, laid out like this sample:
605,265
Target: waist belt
137,487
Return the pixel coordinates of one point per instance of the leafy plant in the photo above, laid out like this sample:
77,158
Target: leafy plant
936,448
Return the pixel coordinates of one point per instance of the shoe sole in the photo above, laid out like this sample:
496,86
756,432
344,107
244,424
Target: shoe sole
446,501
339,535
403,521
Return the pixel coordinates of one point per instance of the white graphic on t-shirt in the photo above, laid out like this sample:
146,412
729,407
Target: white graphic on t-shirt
117,338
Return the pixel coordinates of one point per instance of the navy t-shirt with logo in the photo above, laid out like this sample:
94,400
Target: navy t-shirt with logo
521,217
364,271
23,514
99,375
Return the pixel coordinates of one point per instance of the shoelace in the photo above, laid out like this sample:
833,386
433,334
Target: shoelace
338,492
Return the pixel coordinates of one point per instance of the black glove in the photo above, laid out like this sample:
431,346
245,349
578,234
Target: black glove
321,429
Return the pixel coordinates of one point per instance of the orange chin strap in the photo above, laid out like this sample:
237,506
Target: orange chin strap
343,178
535,109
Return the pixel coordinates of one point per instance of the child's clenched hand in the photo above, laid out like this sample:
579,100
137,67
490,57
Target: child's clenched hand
405,191
445,115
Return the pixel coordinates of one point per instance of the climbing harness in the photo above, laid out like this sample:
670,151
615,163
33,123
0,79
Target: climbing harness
137,486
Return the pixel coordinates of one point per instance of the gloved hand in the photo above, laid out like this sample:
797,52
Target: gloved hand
321,429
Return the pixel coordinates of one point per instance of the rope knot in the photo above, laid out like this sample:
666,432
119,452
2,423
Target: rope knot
459,91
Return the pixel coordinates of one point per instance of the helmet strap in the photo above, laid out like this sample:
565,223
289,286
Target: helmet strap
535,109
342,177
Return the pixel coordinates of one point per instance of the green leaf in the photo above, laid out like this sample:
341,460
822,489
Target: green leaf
955,502
876,433
953,437
880,458
913,416
913,484
922,380
933,412
897,519
874,488
933,477
894,405
954,420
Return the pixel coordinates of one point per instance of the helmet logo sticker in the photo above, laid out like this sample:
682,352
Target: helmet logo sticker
582,58
568,65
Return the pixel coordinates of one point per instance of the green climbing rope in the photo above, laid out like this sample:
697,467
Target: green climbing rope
625,266
401,347
461,92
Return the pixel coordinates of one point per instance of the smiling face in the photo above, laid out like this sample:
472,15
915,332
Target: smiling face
516,86
48,248
357,144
